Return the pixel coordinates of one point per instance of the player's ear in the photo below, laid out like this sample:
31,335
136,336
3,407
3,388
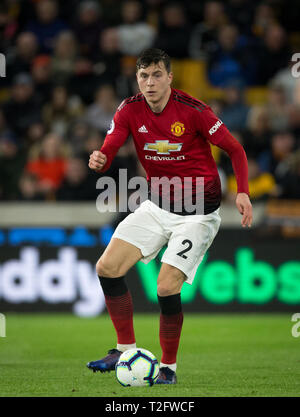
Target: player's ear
170,75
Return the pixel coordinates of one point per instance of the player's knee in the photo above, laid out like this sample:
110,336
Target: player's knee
108,269
170,281
164,290
167,287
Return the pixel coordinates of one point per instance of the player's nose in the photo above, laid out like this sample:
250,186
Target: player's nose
150,81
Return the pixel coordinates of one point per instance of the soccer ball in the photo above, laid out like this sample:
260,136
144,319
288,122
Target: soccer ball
137,368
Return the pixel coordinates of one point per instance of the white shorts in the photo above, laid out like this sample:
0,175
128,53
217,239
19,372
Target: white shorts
187,238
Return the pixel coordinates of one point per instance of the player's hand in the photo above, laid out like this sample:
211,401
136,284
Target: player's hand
244,206
97,160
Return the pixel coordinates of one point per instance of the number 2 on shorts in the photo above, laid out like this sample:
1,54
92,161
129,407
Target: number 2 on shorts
189,247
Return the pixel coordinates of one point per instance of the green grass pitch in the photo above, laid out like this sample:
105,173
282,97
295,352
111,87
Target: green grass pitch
219,355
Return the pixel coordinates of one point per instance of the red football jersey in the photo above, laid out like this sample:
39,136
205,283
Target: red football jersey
175,142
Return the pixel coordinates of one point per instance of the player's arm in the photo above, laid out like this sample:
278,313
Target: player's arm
240,167
218,134
100,160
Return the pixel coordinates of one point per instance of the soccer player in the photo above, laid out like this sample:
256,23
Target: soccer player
172,132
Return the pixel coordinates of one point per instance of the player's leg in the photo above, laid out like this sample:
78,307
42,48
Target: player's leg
138,237
117,259
188,243
169,284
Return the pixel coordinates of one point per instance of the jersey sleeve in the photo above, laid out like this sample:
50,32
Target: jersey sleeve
239,161
214,130
210,127
115,137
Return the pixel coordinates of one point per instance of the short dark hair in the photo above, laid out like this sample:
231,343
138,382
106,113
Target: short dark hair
153,56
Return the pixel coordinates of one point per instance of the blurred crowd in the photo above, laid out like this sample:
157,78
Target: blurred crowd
70,63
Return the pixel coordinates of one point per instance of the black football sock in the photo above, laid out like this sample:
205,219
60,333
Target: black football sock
171,319
120,308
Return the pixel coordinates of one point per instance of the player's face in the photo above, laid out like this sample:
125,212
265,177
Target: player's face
154,83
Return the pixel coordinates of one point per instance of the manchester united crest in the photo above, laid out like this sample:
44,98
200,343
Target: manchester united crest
177,128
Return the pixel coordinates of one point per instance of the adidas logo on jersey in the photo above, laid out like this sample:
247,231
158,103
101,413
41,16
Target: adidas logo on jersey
143,129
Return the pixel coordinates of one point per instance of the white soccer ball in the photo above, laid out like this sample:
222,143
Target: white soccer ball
137,368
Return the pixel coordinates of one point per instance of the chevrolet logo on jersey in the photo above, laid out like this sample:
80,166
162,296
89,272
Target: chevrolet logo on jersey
163,147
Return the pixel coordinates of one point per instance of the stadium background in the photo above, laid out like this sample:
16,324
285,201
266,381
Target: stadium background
68,66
